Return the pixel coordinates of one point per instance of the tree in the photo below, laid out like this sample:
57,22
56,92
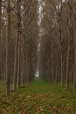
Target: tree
17,50
8,52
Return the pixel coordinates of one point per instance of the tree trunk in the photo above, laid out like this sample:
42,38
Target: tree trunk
7,54
75,73
0,17
67,67
16,64
0,29
62,77
61,55
57,72
74,88
18,74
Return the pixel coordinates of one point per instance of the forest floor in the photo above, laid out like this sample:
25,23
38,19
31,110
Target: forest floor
39,97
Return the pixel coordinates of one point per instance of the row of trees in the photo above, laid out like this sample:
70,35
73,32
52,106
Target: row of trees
18,42
54,52
58,42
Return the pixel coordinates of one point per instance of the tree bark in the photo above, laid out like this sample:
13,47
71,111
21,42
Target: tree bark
74,87
0,16
75,74
62,77
67,67
0,27
7,53
18,72
61,59
16,64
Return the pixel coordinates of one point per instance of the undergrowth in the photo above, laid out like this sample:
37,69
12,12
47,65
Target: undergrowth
39,97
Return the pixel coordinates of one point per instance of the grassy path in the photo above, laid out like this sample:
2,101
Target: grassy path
39,98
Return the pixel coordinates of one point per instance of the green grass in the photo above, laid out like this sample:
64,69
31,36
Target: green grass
39,97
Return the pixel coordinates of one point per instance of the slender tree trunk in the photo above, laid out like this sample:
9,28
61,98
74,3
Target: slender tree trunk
18,74
0,16
74,88
52,62
61,62
7,53
67,67
62,77
23,62
61,47
0,26
75,73
57,72
27,63
16,64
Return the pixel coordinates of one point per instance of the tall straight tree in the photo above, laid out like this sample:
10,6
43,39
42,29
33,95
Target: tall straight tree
0,17
0,23
17,50
7,52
